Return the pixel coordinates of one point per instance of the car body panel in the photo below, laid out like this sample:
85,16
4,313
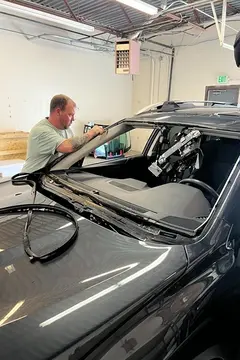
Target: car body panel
168,320
95,276
111,296
16,195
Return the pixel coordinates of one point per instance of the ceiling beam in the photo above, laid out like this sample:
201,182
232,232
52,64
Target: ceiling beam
93,36
178,18
70,10
125,14
197,17
159,43
233,8
221,31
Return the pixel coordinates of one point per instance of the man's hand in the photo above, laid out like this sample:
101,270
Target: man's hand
96,130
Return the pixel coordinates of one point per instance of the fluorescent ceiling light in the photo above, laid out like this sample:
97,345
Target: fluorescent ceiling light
141,6
6,6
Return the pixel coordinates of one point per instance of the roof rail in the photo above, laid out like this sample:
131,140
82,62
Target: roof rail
213,103
148,108
166,106
180,105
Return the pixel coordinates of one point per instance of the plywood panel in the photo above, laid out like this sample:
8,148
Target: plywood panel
13,145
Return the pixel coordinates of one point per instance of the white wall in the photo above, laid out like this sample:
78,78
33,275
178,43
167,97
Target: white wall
31,72
151,85
199,59
198,66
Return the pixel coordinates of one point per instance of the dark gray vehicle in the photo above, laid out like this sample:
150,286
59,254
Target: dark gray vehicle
153,249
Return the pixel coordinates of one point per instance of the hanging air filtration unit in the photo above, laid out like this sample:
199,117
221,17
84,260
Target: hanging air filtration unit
127,57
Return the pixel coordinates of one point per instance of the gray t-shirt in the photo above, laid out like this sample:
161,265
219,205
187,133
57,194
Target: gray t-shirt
44,138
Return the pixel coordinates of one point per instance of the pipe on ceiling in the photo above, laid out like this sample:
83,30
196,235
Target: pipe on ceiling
57,27
171,75
28,36
176,9
186,6
35,6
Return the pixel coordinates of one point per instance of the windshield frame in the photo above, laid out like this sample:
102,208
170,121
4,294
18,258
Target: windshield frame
125,125
202,229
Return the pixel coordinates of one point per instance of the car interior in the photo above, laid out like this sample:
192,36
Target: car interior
182,176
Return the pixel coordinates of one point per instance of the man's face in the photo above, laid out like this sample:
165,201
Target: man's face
66,116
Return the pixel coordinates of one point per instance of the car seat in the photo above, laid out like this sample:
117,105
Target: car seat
219,158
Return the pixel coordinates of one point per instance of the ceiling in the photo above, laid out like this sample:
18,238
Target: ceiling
184,21
112,17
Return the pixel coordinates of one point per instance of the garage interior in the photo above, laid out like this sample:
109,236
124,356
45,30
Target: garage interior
113,58
184,52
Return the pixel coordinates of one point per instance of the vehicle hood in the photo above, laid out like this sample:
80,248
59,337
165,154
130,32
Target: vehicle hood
45,308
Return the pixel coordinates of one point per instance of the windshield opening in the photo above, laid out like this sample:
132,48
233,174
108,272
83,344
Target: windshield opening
169,176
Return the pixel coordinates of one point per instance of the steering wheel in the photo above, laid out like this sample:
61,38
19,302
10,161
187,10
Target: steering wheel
200,184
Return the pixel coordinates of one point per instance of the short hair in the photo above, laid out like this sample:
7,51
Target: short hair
59,101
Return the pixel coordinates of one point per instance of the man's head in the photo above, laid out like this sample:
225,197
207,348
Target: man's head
237,50
62,111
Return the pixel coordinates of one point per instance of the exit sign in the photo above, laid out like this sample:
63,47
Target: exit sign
222,79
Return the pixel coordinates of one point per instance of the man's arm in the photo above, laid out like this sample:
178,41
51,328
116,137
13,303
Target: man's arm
76,142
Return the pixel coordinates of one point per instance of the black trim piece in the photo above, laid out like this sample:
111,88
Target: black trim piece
27,179
29,209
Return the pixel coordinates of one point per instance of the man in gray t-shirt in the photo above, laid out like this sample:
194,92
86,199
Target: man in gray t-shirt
53,136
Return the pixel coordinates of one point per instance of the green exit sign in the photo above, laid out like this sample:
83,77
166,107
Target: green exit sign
222,79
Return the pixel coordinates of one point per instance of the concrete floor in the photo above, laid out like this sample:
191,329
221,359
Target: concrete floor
10,194
10,167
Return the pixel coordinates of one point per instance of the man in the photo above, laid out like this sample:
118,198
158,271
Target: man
52,135
237,50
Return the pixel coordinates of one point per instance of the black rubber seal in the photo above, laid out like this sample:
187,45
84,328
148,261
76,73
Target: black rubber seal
29,209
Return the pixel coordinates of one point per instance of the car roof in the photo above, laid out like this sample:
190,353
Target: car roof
218,119
169,106
218,116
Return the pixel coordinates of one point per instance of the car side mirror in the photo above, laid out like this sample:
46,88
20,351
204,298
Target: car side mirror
237,49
